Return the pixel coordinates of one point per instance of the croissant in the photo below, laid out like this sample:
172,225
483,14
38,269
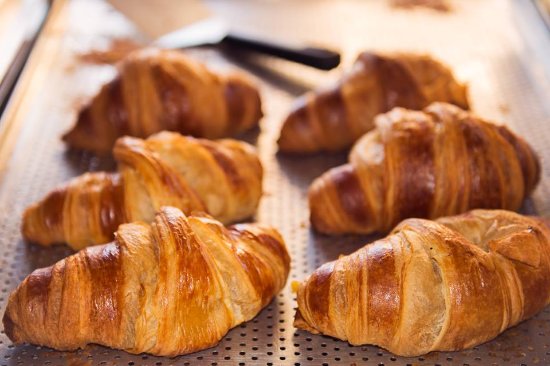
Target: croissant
438,162
442,285
333,119
158,90
223,178
169,288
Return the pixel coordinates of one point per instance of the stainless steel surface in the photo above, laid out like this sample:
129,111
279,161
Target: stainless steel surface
204,32
11,31
479,40
35,20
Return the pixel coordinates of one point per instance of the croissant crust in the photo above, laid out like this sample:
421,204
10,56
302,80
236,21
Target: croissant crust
223,178
334,118
437,162
442,285
169,288
158,90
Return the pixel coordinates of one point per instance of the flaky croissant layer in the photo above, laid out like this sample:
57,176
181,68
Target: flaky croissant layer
334,118
223,178
437,162
169,288
442,285
158,90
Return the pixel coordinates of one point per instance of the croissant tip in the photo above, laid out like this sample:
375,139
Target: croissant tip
83,136
68,136
26,227
283,145
317,209
9,325
296,132
289,145
73,139
301,323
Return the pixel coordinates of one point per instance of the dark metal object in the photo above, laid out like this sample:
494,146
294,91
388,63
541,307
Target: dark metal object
214,31
319,58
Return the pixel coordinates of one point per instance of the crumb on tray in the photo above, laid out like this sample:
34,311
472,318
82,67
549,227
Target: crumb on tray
117,50
439,5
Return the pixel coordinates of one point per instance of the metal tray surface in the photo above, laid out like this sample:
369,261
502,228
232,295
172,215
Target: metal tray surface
478,39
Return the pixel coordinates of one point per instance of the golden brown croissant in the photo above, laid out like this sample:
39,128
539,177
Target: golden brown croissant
221,177
429,286
170,288
437,162
333,119
158,90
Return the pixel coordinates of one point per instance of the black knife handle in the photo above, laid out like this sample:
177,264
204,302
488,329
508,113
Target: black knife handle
319,58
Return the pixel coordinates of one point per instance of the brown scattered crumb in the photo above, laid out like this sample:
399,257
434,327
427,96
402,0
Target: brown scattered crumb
438,5
504,109
117,50
303,225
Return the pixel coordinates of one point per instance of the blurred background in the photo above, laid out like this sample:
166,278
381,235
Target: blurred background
462,33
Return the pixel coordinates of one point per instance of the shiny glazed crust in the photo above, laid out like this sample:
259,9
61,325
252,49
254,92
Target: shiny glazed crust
334,118
437,162
169,288
158,90
223,178
442,285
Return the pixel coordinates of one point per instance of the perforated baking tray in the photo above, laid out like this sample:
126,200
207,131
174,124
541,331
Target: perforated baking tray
479,39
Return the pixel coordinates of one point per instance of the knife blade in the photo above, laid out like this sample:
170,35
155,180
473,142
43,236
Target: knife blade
188,23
